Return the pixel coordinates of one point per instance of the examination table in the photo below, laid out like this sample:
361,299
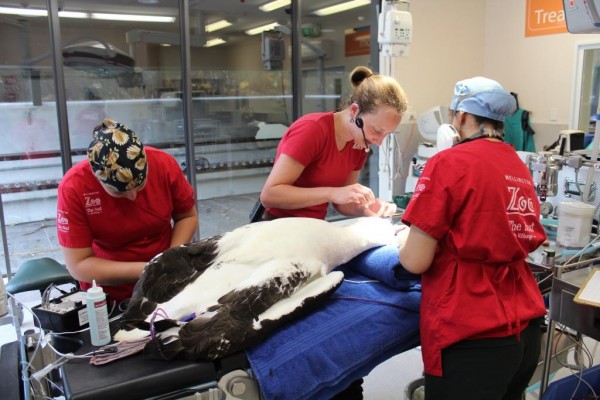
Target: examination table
364,323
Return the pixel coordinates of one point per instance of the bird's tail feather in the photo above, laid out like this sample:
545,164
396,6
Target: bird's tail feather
164,348
133,330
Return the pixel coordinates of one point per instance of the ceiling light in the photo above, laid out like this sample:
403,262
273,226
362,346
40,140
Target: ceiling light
260,29
215,26
274,5
36,12
73,14
214,42
131,17
341,7
27,12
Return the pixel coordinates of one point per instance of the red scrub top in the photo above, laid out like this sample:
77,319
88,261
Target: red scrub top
478,200
311,141
117,228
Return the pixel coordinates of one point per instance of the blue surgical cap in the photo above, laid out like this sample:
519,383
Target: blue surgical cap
483,97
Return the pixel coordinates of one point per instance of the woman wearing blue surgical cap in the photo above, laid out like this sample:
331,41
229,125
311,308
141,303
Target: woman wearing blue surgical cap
474,218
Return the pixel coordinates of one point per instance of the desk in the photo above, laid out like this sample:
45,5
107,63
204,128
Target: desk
584,319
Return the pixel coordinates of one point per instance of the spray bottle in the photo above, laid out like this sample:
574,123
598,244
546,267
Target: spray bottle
97,315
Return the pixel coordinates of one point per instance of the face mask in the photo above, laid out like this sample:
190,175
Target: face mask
447,136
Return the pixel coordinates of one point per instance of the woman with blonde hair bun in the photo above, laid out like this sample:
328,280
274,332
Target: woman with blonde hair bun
320,157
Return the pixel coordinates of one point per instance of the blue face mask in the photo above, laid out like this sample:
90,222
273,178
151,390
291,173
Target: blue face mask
447,136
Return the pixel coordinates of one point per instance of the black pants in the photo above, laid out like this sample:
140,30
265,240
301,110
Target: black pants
487,369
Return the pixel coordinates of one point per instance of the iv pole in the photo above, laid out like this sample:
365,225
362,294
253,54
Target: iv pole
394,35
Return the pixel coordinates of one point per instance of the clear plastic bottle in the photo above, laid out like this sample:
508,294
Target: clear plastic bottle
3,298
97,315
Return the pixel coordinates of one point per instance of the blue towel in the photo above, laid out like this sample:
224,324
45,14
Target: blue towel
315,357
382,263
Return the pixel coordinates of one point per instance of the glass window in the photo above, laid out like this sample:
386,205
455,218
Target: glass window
131,71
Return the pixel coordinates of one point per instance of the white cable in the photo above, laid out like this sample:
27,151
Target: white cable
577,373
361,282
27,367
580,252
55,364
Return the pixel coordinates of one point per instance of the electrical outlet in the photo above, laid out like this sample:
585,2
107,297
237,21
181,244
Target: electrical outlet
409,116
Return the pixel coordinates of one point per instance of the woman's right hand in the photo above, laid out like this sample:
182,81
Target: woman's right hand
355,193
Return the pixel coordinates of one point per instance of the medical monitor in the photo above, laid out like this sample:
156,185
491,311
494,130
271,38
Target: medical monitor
581,16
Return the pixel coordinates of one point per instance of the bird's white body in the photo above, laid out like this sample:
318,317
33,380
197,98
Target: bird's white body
255,254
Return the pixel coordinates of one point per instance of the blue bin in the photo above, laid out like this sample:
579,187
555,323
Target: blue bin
565,388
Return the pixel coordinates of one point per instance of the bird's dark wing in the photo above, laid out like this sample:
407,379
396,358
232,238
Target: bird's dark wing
167,274
233,329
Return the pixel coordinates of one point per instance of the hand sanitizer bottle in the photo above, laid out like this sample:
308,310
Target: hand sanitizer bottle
97,315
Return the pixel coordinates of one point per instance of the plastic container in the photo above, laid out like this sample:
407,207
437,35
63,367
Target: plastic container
574,223
3,298
97,315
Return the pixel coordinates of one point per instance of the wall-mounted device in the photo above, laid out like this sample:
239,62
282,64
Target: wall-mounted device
394,34
581,16
273,50
395,29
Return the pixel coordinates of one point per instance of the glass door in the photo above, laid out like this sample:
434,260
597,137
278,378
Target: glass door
587,87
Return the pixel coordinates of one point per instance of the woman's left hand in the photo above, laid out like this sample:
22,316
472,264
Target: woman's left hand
383,208
401,234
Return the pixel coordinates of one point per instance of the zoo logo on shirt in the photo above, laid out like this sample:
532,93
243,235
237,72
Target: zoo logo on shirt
519,204
62,222
93,205
421,186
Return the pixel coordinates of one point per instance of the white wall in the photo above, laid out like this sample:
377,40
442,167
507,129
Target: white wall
448,44
541,69
459,39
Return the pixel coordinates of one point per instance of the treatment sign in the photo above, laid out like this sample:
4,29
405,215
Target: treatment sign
544,17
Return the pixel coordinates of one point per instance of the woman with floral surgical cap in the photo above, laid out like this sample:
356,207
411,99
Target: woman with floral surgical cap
474,218
119,208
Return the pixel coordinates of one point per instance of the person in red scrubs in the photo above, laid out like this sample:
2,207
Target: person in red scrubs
474,217
119,208
320,156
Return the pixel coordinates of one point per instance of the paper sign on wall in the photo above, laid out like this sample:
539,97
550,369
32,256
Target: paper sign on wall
544,17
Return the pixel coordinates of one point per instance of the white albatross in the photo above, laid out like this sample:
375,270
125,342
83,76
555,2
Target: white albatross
236,288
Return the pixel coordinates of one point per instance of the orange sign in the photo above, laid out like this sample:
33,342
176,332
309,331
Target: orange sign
544,17
358,42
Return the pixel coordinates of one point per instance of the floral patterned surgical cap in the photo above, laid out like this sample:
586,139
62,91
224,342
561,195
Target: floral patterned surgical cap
117,156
